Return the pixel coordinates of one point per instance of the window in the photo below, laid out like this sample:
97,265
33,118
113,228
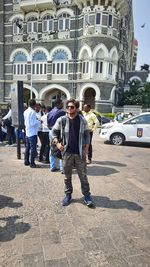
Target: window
47,24
60,63
16,29
98,18
64,22
110,20
110,70
20,64
144,119
39,64
99,66
85,68
32,26
86,20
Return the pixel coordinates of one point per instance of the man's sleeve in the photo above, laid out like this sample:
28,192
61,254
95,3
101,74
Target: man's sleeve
8,115
96,122
56,129
87,134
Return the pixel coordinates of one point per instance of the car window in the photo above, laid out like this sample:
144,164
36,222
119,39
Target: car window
143,119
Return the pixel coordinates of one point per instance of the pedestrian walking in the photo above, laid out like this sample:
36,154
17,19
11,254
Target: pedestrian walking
74,147
32,125
45,146
93,124
52,116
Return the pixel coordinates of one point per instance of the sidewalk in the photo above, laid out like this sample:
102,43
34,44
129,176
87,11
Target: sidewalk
35,230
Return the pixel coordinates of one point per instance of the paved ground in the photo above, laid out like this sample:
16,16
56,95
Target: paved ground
35,230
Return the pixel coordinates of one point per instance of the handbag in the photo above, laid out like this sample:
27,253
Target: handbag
55,152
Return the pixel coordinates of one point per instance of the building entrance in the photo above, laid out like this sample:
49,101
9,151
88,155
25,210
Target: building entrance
89,97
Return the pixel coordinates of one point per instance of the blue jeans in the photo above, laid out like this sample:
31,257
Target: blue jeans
30,150
53,160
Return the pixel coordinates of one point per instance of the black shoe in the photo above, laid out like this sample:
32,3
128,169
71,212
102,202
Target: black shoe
27,163
33,166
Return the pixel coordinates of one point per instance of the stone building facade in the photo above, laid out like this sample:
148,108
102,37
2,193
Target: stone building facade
66,49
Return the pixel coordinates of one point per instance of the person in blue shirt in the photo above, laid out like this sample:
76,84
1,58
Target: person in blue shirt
52,117
32,125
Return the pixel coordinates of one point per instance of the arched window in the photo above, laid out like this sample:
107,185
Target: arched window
112,67
64,22
39,64
60,63
20,64
85,62
48,24
32,25
99,62
16,29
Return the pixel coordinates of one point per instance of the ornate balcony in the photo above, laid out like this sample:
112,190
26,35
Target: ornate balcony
30,5
123,6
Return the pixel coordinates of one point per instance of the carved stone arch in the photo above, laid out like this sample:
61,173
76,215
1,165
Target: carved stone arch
83,48
112,95
65,10
113,52
135,78
59,48
51,87
31,14
40,49
27,86
21,50
47,12
89,85
16,16
98,47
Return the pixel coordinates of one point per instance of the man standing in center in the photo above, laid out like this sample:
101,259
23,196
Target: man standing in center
74,148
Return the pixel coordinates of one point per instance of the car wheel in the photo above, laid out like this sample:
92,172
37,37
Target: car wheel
117,139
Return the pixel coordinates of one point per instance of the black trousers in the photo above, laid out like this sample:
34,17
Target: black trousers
45,147
11,135
90,147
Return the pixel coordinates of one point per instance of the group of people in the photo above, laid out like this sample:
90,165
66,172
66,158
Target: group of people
76,131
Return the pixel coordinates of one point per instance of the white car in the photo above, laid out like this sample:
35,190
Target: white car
135,129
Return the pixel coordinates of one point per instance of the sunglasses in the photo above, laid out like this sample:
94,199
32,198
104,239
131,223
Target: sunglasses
72,107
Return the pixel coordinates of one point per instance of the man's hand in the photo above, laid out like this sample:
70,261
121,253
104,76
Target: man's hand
60,146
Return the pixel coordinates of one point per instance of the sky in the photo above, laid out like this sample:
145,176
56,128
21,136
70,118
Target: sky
141,13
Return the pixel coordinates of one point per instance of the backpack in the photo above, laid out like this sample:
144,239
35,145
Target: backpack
55,152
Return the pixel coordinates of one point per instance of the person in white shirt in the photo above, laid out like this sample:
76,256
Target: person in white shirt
7,122
45,143
32,125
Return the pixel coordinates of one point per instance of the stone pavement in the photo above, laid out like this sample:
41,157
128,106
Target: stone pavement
36,231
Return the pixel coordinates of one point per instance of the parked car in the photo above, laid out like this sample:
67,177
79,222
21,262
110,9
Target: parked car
135,129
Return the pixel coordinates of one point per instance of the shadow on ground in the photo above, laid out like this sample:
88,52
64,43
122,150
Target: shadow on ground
11,229
100,171
106,202
9,202
110,163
